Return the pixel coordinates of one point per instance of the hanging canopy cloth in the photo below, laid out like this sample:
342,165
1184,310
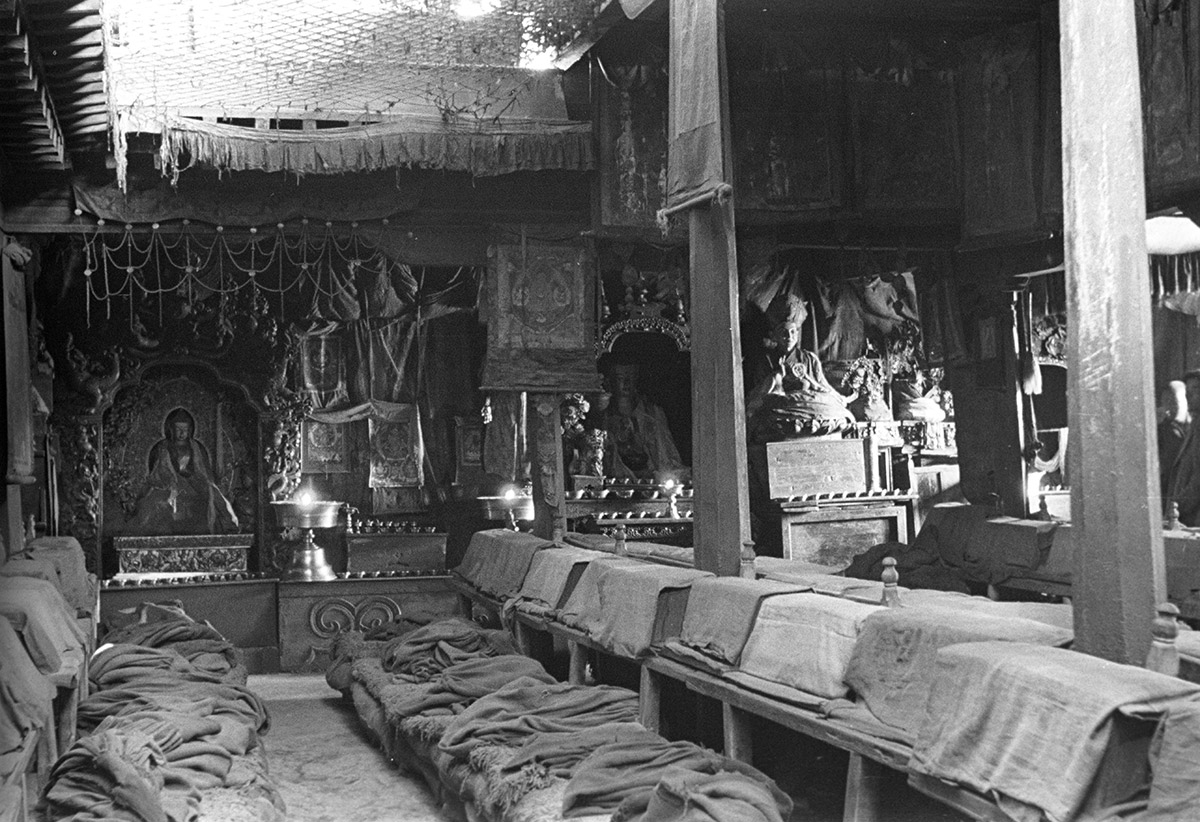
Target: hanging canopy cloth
481,147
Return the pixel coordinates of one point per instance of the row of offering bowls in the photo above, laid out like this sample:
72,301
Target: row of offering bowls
205,579
643,494
633,482
379,526
640,515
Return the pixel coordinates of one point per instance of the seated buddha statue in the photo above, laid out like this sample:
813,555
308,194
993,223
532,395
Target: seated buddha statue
181,495
793,398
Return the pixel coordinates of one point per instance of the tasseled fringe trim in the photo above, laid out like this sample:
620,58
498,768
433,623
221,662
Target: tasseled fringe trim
483,150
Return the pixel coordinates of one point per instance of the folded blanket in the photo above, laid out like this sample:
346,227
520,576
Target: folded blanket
633,766
422,653
551,574
163,632
636,606
24,566
26,697
952,527
721,611
558,754
169,694
123,666
107,776
526,706
805,641
1035,724
497,560
42,617
459,685
690,797
892,667
66,553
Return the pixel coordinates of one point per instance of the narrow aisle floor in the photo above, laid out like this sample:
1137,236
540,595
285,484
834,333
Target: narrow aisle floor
325,765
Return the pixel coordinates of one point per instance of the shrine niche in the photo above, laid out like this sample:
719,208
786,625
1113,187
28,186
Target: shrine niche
180,459
643,355
181,492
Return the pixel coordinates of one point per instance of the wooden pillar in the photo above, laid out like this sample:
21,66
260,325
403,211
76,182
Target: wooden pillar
549,489
577,663
1115,507
650,700
722,503
736,728
865,800
18,467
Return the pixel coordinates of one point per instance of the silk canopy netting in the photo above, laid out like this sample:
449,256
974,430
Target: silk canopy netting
277,63
365,58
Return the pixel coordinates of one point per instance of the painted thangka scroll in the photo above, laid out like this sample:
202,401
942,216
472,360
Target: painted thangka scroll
396,448
325,448
540,310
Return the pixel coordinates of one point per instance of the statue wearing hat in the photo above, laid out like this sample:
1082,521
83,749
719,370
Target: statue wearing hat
639,442
793,399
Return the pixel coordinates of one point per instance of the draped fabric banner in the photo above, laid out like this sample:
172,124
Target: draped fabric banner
697,159
540,316
323,369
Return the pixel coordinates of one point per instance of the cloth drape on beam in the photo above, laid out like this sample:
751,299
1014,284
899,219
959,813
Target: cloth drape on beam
698,160
484,148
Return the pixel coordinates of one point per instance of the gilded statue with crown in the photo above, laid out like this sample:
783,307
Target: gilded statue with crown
793,398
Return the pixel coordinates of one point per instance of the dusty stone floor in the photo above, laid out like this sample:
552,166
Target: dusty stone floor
326,767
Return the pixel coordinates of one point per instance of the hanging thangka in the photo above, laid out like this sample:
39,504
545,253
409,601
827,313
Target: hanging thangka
324,449
323,365
396,451
540,313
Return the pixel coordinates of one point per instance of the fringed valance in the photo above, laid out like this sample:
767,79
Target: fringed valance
1175,281
482,149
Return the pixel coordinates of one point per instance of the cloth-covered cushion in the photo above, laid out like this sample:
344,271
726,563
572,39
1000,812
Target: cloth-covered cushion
43,618
551,572
67,555
893,662
497,560
805,641
1037,724
641,605
26,697
721,612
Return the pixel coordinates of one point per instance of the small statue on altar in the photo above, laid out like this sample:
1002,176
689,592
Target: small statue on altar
793,399
639,442
917,398
181,496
